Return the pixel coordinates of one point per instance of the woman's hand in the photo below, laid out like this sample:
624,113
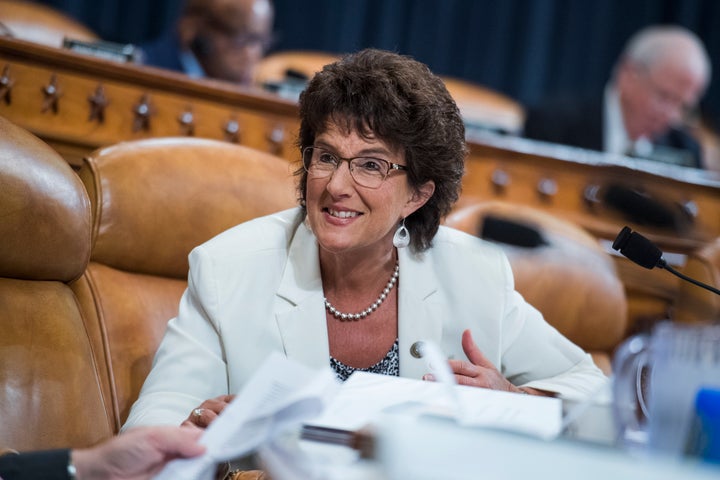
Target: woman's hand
479,371
208,411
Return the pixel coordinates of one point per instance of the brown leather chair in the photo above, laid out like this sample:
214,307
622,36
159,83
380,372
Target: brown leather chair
694,304
152,202
51,392
559,268
39,23
274,67
485,108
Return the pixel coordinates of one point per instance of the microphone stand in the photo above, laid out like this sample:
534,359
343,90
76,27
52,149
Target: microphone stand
664,265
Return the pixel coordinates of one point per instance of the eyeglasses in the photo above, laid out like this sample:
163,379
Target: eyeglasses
368,172
240,39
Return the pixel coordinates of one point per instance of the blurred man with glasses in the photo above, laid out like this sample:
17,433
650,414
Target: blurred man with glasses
646,107
221,39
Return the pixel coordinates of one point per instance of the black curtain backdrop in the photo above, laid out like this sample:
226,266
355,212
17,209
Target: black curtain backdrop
527,49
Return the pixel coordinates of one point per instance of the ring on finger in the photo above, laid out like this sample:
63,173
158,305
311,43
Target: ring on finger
197,413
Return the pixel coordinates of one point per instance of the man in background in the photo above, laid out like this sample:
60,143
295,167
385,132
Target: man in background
222,39
654,89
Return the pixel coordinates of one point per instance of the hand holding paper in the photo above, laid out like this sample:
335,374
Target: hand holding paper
281,395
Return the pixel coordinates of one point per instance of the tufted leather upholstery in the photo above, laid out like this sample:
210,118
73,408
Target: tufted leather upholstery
569,277
50,385
153,201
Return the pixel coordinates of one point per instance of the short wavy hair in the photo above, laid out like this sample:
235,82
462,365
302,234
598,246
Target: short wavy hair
401,102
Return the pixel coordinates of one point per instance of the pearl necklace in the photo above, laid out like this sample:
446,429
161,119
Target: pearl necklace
344,317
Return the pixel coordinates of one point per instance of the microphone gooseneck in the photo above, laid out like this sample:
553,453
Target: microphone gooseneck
646,254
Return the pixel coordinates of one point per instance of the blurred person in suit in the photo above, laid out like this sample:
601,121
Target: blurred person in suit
654,90
221,39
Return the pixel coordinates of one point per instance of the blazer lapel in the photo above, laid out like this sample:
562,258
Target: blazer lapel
419,310
302,326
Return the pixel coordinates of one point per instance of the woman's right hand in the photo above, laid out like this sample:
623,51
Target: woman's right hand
208,411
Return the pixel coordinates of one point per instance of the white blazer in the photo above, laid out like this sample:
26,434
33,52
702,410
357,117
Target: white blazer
256,288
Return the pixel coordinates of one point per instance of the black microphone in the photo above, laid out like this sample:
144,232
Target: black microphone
646,254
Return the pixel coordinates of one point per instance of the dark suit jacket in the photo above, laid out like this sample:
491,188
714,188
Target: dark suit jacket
45,465
579,122
163,52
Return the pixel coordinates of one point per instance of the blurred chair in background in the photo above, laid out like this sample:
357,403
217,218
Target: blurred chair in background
485,109
286,73
42,24
559,268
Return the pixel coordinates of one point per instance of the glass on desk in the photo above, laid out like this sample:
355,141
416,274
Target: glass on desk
656,379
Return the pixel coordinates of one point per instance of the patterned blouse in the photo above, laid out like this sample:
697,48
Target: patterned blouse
390,365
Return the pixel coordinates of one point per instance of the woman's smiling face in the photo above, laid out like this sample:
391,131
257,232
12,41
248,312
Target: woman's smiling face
347,217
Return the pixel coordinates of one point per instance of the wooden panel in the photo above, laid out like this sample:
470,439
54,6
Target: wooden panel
70,124
566,181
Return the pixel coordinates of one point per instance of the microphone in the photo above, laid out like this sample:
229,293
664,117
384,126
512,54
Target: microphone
646,254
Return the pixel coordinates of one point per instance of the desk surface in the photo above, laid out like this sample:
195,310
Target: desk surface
433,448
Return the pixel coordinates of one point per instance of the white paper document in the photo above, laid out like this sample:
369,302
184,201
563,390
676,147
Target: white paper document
365,397
279,397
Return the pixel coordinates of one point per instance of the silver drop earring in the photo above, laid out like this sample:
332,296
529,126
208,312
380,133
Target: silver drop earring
401,239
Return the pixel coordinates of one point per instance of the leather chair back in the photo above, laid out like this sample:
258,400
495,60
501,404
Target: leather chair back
486,109
303,63
153,201
34,22
51,393
559,268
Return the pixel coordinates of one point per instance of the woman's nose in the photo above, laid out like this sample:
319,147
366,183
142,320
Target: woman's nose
341,177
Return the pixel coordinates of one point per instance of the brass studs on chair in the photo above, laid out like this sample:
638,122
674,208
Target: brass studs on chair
52,94
275,139
142,111
231,130
591,196
6,84
690,208
500,181
98,101
547,188
187,122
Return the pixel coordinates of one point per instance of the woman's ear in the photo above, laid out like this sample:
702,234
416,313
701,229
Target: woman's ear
419,197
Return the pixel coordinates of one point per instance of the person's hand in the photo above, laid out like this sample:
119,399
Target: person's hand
138,454
208,411
479,371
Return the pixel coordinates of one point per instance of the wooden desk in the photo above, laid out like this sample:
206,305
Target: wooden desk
78,103
570,182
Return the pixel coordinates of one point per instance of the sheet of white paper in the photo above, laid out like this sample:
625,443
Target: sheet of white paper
281,395
365,396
